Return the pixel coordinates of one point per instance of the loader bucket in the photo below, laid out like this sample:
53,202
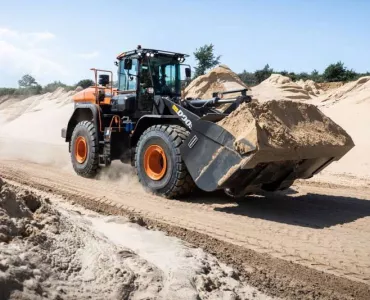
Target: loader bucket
263,147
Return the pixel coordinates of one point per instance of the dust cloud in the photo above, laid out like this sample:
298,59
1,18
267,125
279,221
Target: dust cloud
30,130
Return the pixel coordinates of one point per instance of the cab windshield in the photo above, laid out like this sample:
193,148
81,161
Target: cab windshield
166,76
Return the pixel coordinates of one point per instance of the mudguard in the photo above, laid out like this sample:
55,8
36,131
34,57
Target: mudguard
149,120
82,111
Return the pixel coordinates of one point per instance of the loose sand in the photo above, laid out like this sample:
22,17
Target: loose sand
349,106
310,86
51,249
326,233
219,79
278,87
283,125
38,118
31,128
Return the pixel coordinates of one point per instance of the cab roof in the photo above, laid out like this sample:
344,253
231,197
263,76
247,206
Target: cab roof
149,52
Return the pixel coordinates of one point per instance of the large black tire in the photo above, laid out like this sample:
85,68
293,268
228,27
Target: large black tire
176,181
89,167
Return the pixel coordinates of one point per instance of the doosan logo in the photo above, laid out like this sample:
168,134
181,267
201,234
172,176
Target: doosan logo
182,116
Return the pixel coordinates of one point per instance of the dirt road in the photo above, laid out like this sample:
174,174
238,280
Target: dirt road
313,241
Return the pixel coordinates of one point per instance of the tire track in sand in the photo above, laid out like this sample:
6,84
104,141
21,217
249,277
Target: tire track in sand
312,228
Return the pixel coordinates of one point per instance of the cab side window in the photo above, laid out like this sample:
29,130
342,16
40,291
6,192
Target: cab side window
127,78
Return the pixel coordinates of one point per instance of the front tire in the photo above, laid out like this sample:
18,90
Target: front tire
158,161
84,149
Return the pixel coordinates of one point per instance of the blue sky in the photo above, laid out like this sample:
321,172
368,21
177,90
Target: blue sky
61,40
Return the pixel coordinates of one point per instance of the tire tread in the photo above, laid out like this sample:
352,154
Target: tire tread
92,167
184,183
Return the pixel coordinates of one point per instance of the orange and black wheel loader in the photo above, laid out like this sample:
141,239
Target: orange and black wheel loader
173,143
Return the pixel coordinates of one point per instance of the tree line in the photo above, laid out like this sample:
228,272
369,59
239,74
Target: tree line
206,59
28,86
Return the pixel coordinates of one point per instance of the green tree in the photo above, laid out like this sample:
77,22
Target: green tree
351,75
303,76
316,76
51,87
7,91
263,74
338,72
85,83
284,73
27,81
248,78
206,59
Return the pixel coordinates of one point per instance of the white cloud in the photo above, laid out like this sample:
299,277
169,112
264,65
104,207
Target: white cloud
88,55
30,38
15,59
20,53
42,35
6,32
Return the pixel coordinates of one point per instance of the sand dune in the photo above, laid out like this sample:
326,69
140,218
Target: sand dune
31,128
355,92
219,79
278,87
349,106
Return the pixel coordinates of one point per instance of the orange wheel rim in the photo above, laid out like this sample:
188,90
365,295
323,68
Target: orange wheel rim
155,162
81,149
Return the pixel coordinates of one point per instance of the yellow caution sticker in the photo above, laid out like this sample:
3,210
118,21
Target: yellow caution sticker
183,117
175,108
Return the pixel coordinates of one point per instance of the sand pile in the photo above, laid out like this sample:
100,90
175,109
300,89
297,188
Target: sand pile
279,87
284,127
355,92
310,86
45,255
326,86
54,250
13,107
219,79
349,106
31,128
38,118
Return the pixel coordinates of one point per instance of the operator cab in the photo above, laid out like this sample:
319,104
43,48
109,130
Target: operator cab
144,74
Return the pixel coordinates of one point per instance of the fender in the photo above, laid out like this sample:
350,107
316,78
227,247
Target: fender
82,112
149,120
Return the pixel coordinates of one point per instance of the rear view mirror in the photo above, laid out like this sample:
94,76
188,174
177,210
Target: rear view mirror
127,64
104,79
188,72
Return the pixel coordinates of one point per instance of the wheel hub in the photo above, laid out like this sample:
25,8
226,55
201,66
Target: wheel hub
80,149
155,162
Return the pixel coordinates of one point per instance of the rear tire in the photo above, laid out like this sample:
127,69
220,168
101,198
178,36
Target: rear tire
84,149
169,175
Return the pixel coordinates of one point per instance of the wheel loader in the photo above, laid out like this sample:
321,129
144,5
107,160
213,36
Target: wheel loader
174,144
